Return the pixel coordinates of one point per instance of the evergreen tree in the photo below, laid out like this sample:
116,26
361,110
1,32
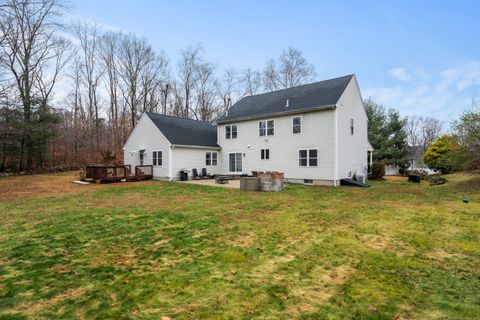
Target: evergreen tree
387,135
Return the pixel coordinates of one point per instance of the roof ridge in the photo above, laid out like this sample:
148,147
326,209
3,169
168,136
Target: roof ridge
175,117
300,86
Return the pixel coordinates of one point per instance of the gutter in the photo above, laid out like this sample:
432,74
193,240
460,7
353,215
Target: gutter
173,146
288,112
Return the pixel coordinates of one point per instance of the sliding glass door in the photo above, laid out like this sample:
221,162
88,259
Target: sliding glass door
235,162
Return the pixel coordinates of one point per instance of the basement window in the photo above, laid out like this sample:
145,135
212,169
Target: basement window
308,181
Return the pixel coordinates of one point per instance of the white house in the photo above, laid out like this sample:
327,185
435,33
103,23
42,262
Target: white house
315,133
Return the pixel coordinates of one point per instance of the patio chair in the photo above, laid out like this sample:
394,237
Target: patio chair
205,175
195,175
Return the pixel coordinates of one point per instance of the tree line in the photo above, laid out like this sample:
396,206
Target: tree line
108,79
395,139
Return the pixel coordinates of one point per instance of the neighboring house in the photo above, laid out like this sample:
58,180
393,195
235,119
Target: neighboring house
315,133
415,163
415,159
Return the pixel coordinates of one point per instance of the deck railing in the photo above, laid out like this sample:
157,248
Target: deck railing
116,173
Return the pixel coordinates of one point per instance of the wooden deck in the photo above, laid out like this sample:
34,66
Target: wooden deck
107,173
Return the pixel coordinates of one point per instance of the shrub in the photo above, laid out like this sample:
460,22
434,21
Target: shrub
442,154
378,170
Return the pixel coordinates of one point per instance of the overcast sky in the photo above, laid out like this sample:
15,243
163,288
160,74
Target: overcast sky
421,57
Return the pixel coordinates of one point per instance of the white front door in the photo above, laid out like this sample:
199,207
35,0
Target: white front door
235,162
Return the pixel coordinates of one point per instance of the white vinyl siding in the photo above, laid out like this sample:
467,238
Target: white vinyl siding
193,158
352,133
147,137
317,133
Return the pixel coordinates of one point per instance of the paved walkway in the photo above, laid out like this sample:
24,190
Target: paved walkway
234,184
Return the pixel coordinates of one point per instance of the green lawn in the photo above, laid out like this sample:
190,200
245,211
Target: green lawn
394,251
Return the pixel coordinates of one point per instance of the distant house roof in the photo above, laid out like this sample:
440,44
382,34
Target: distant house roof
186,132
314,96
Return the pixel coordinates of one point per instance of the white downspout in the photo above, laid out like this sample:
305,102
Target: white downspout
371,161
170,163
335,147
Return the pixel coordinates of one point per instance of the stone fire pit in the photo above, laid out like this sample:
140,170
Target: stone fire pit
263,181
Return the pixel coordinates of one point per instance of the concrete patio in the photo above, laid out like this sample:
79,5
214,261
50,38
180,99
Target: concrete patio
233,184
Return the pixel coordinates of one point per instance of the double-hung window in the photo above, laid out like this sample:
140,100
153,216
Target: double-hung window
231,131
297,125
266,128
157,158
265,154
308,157
211,158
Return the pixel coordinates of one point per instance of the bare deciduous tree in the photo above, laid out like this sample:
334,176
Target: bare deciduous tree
29,48
207,105
91,71
421,131
431,131
137,60
290,70
251,81
190,60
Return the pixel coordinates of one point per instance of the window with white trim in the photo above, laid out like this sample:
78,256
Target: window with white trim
157,158
211,158
231,131
297,125
262,131
265,154
351,126
266,128
270,128
308,158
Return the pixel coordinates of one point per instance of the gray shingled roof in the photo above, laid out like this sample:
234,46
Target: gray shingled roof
181,131
319,95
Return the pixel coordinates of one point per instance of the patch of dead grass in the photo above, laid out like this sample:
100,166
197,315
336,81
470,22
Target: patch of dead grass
243,240
441,254
52,185
306,298
38,306
384,243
